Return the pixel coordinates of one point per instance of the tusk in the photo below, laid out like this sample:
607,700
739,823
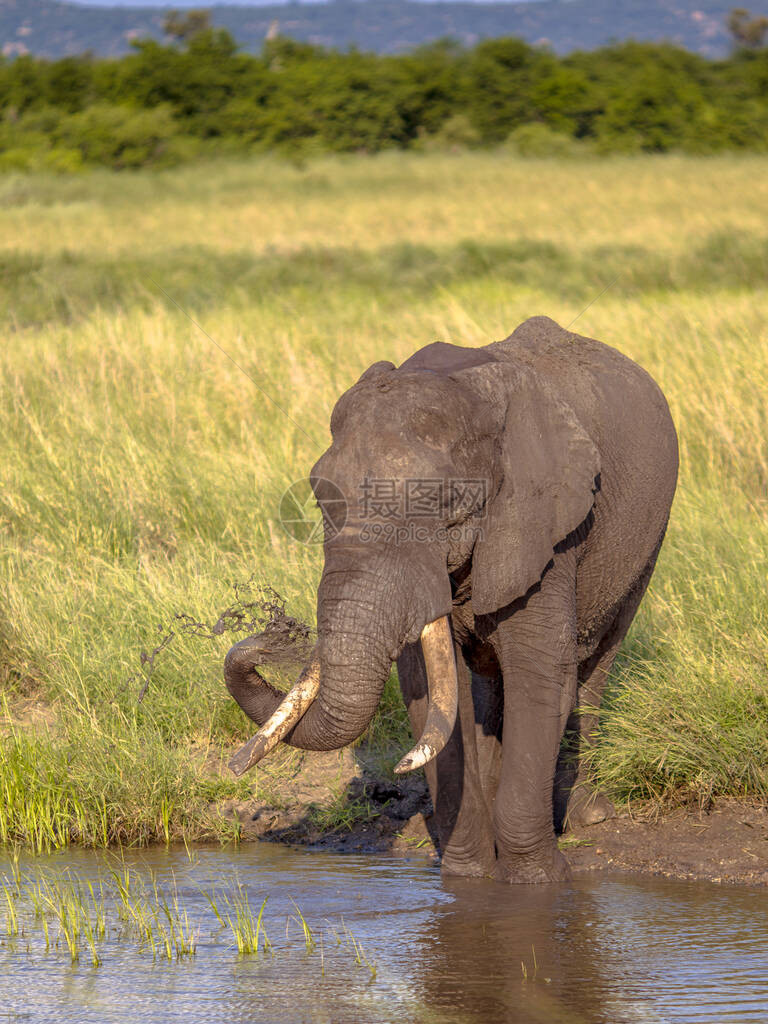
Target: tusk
443,687
276,728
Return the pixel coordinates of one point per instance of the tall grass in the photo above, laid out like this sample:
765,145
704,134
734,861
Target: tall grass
141,467
99,784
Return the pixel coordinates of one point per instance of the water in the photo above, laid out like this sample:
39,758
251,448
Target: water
602,949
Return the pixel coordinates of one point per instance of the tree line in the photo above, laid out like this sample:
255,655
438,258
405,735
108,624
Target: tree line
163,104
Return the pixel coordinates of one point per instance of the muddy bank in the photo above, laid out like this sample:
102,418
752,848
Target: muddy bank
729,843
345,801
339,800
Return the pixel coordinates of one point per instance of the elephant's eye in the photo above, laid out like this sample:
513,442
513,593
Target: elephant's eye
466,496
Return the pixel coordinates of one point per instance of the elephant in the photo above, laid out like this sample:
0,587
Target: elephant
541,471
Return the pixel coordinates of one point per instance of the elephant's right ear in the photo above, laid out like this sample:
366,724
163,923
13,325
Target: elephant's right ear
549,468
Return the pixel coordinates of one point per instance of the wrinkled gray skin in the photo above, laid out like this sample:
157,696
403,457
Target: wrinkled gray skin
541,580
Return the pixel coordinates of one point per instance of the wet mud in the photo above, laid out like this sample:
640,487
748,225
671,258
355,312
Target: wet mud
344,801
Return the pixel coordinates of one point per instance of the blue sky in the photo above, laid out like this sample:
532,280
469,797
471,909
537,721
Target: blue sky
184,3
217,3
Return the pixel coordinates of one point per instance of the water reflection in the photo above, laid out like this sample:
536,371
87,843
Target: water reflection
598,951
607,950
520,954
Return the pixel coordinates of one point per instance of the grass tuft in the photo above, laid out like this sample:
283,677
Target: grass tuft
247,929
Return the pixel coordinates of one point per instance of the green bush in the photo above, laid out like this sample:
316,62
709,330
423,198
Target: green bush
539,140
166,104
456,133
119,137
63,161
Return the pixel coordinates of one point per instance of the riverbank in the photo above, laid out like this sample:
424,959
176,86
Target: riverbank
344,803
348,801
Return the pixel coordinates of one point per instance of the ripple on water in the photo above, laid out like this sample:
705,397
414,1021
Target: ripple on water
391,941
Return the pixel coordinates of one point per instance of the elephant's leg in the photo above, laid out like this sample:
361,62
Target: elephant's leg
536,647
488,700
461,816
577,802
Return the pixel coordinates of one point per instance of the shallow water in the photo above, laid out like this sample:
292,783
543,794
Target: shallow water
601,949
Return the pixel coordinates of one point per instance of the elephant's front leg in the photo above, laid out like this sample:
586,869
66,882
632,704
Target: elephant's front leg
536,647
461,815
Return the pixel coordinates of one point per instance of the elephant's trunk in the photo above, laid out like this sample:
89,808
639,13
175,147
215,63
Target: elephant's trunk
277,712
336,695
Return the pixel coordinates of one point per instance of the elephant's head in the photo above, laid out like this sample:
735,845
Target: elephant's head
458,464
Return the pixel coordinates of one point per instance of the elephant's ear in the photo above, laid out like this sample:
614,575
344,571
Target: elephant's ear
549,475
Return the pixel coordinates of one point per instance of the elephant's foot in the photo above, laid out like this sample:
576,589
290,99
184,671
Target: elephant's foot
549,865
546,865
468,867
587,806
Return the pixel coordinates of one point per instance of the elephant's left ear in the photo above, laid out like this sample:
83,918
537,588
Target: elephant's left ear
549,476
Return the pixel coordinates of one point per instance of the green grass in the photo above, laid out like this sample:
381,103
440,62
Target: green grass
247,930
97,783
70,286
141,469
61,913
342,813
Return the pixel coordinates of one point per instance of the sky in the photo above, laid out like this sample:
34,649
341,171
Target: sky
230,3
180,4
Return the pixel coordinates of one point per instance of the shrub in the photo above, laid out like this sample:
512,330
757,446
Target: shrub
119,137
165,104
539,140
456,133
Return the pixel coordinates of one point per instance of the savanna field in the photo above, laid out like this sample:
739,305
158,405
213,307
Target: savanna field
174,342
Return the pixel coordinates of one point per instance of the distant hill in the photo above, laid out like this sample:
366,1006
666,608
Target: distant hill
53,29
